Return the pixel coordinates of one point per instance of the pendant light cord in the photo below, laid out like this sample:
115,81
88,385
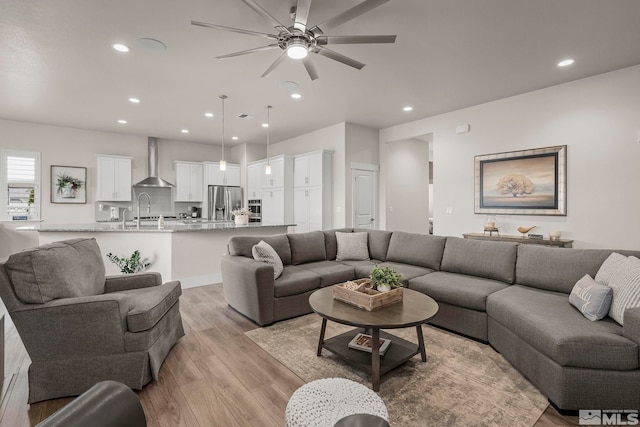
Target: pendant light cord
268,131
223,97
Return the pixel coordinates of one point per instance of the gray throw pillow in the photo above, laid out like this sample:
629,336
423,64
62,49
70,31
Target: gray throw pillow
608,267
625,282
352,246
264,252
592,299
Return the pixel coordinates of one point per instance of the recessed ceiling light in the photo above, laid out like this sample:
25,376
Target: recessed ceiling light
407,108
185,131
208,114
120,47
122,122
296,95
265,125
134,100
235,138
566,62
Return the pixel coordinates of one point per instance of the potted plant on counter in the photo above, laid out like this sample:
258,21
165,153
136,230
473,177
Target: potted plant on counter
241,216
385,278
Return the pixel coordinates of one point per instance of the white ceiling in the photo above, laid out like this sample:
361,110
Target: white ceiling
57,65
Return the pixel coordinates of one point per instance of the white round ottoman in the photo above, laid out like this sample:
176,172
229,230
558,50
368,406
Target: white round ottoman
322,403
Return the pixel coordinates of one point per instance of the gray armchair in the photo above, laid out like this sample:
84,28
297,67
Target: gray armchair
80,327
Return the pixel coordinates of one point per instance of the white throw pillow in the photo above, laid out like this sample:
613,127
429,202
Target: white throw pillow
352,246
625,282
264,252
608,267
592,299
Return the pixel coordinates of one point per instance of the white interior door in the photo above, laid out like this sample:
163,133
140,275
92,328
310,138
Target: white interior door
364,198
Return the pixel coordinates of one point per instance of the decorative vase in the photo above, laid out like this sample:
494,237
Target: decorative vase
241,219
554,235
384,288
67,192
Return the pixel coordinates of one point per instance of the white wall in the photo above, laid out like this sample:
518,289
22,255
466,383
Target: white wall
598,118
407,195
78,147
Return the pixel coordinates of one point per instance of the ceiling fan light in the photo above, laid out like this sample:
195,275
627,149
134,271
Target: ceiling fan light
297,49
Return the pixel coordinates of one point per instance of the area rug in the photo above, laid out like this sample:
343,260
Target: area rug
463,382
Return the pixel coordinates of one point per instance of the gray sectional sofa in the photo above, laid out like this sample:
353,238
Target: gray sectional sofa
515,297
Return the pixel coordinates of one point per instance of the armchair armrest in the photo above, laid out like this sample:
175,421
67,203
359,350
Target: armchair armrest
248,287
631,328
131,281
70,327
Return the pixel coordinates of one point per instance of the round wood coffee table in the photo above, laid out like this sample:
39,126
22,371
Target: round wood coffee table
414,310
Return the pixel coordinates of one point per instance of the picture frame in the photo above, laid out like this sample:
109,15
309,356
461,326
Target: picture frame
68,184
525,182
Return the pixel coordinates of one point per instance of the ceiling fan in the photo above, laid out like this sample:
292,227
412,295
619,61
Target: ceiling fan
298,40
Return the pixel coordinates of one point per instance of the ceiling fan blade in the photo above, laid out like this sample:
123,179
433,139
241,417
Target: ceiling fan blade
338,57
260,11
302,14
348,15
235,30
275,64
323,40
311,69
244,52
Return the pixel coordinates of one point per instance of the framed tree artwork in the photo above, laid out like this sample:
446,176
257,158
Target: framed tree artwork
68,184
527,182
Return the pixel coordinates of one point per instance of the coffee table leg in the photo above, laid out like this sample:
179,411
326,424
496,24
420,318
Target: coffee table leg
423,351
322,330
375,359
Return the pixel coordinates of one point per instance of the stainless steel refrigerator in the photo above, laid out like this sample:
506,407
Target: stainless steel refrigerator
222,200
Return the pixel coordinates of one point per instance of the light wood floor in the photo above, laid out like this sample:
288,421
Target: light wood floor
215,376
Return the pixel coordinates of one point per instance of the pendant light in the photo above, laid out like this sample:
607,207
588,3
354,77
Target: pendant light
223,162
267,168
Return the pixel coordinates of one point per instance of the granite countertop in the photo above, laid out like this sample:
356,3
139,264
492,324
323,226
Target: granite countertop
149,227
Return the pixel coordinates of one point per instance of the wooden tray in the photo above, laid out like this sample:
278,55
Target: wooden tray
368,299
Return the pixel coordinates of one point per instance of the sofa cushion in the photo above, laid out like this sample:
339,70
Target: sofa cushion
423,250
66,269
243,246
307,247
457,289
263,252
352,246
591,299
608,267
558,269
362,268
545,320
330,272
148,305
625,282
491,260
295,280
378,243
330,243
407,272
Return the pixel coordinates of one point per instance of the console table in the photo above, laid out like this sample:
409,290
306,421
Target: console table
560,243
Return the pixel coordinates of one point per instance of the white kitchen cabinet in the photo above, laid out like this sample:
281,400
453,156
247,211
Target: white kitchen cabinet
189,182
255,175
313,196
281,169
113,178
214,176
273,207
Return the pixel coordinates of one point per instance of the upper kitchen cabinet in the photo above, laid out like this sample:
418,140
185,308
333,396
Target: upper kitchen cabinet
113,178
309,168
189,182
214,176
281,173
255,176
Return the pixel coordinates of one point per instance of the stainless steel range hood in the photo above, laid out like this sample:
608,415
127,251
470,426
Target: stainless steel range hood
153,180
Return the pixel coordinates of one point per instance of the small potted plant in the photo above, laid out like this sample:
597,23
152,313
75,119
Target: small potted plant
241,216
130,265
68,185
385,278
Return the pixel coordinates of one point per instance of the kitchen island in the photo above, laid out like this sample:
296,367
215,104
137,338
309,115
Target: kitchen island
185,251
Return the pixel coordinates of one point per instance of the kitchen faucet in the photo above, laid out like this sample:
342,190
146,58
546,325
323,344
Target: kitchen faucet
148,206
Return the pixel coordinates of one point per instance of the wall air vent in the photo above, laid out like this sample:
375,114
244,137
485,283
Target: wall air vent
245,116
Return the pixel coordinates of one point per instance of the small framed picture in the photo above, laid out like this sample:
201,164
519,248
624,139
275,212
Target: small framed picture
68,184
